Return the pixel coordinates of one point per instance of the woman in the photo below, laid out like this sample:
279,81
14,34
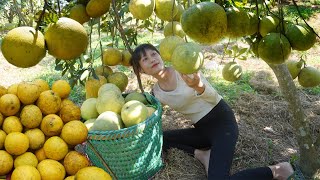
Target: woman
212,140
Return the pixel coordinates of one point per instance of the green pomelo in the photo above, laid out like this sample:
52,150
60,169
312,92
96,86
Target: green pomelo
136,96
109,87
294,68
88,109
231,71
255,46
110,101
89,123
166,9
177,17
107,121
119,79
187,58
253,24
173,28
300,37
205,22
151,110
268,24
133,112
168,45
274,48
309,77
238,22
141,9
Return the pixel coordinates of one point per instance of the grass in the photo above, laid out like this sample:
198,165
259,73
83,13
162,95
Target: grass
292,14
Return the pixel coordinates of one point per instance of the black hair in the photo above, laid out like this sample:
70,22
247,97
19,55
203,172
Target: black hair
136,55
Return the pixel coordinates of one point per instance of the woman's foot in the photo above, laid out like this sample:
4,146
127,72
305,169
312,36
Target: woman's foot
281,171
203,157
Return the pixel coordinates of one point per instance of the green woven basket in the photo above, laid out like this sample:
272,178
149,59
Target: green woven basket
129,153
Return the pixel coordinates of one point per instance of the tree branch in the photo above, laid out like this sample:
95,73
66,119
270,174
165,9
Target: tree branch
42,14
317,143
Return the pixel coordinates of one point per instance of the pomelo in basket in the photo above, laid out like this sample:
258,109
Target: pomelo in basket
106,121
133,112
136,96
88,109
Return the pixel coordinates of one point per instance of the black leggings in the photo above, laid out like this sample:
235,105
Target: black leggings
218,131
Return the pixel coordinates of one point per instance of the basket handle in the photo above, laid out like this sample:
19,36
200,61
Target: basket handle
102,160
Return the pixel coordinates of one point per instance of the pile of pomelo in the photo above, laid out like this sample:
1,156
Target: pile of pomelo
40,127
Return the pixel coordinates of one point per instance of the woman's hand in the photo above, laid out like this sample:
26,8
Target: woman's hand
194,81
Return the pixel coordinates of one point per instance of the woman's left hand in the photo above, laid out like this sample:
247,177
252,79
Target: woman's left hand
194,81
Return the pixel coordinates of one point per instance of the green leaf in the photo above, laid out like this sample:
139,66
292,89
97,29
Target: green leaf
242,58
228,52
242,50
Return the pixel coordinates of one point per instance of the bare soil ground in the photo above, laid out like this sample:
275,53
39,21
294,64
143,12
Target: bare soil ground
266,136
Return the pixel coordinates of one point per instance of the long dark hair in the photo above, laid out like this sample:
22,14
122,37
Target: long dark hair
138,52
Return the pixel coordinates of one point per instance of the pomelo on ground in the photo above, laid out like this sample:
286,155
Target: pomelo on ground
92,173
187,58
205,22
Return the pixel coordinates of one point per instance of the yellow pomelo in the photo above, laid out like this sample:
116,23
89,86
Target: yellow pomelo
23,47
119,79
51,170
70,178
66,39
109,87
92,86
253,23
55,148
62,88
168,45
43,85
133,112
136,96
26,158
177,17
69,113
27,92
12,124
238,22
96,8
9,104
74,132
3,90
36,138
309,77
1,119
166,9
268,24
51,125
110,101
75,161
187,58
65,102
16,143
103,70
106,121
301,37
294,68
205,22
231,71
25,172
173,28
112,56
40,154
49,102
92,173
31,116
79,13
3,136
12,89
141,9
88,109
126,56
6,162
274,48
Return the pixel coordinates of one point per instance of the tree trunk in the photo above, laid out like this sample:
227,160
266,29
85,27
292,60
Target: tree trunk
309,158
